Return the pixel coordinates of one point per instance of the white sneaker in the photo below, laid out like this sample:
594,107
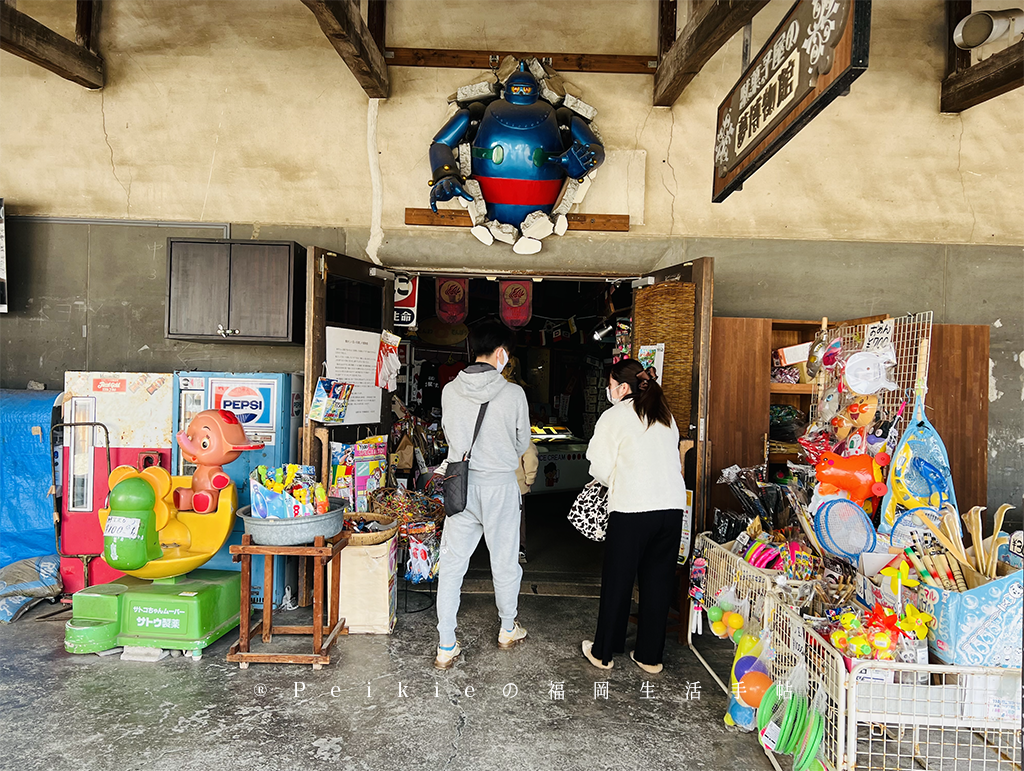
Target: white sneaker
587,647
507,640
446,659
522,556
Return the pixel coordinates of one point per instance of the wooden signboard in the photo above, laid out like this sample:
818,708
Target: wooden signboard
813,56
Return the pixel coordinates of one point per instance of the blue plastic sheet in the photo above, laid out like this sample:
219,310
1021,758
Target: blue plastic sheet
26,512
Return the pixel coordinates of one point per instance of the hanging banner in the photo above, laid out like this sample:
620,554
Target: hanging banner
407,289
515,302
813,56
452,300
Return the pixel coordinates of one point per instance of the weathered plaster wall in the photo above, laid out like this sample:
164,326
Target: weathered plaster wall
214,112
224,111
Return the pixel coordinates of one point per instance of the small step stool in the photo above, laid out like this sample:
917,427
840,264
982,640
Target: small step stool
323,552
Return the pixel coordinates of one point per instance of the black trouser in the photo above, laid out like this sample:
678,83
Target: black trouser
643,545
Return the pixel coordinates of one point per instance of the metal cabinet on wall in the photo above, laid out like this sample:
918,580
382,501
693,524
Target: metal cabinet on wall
235,291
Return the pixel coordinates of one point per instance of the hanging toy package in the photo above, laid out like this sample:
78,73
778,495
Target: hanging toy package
423,553
783,712
748,681
729,614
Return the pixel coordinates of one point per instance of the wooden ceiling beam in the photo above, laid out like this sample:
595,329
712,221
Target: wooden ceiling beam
711,25
341,21
621,64
1001,72
376,21
23,36
87,24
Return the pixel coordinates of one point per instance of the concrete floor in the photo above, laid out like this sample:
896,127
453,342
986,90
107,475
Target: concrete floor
85,712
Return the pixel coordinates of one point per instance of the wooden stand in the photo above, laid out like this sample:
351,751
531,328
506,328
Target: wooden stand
322,552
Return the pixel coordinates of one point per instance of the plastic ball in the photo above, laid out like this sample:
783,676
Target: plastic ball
725,605
737,635
752,687
743,665
735,621
715,614
744,646
859,647
744,717
718,628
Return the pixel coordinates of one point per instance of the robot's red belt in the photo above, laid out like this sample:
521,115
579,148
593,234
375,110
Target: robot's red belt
520,192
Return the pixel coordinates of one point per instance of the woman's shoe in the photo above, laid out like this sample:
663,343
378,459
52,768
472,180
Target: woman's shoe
587,646
652,669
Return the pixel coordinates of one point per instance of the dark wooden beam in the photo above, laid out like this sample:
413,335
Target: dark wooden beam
711,25
956,58
344,26
23,36
1001,72
483,60
666,26
87,24
376,20
459,218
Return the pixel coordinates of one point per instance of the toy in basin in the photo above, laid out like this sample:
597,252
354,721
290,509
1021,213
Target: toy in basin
859,475
213,438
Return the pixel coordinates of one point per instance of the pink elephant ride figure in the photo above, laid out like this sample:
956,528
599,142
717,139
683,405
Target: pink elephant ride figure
213,438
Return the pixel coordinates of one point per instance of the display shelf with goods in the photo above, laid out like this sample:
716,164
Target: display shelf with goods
886,640
890,714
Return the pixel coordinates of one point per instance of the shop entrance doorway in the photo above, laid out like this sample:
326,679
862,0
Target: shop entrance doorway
579,323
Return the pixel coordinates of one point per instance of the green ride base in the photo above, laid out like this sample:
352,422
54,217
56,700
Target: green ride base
186,613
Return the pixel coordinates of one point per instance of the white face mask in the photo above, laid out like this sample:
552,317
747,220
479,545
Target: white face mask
608,393
502,360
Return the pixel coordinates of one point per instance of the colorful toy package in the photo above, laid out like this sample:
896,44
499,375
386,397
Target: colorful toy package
288,491
330,401
343,474
371,458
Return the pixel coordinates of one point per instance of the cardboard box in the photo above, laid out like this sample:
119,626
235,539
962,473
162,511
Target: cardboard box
369,587
794,354
980,627
873,588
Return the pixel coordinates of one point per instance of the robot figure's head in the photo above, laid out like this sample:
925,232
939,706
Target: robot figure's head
521,87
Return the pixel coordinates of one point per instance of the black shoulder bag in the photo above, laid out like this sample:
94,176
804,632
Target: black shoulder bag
456,479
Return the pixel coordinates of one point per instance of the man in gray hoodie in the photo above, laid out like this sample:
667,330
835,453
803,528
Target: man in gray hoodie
492,507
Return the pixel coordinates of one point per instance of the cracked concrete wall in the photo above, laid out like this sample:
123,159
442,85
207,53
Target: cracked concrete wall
213,113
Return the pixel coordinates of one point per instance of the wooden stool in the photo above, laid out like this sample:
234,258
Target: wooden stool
322,552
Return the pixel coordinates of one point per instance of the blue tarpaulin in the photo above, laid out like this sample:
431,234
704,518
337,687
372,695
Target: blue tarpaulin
26,512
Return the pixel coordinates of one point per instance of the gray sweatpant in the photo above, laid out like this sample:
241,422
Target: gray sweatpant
492,512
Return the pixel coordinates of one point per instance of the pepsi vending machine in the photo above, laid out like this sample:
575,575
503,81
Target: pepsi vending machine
269,406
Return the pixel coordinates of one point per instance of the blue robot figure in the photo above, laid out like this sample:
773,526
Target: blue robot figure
523,149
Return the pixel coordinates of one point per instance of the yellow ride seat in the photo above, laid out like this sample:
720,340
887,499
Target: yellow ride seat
188,540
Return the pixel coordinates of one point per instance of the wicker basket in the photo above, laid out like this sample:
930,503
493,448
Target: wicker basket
372,539
664,313
406,506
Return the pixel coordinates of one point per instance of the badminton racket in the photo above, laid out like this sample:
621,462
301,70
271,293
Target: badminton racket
844,529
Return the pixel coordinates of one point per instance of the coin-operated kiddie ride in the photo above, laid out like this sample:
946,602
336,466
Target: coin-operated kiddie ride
159,530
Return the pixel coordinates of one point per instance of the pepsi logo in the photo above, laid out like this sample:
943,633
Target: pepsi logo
245,402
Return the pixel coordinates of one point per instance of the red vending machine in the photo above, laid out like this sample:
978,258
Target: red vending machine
134,408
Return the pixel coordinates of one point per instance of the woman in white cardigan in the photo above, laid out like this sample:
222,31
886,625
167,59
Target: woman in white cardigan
635,453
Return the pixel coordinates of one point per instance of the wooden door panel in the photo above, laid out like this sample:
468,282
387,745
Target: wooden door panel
198,284
957,405
739,398
261,291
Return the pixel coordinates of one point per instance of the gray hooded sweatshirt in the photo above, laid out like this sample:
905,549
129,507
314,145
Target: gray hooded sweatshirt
505,433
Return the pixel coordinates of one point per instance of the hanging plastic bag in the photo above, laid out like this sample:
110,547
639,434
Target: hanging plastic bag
422,564
783,712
